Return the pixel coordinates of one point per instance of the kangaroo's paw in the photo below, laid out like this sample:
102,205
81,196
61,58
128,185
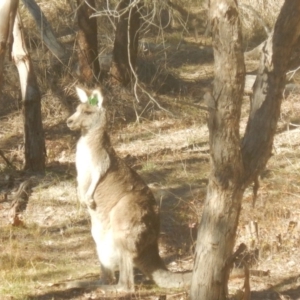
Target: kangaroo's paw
90,203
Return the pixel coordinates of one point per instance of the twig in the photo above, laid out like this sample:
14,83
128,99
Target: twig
293,73
255,190
136,82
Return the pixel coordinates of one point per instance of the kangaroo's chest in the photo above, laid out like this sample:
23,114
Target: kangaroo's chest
84,165
83,156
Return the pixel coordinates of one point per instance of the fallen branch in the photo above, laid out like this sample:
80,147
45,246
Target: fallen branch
19,203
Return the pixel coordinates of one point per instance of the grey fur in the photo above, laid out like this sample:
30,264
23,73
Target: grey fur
124,213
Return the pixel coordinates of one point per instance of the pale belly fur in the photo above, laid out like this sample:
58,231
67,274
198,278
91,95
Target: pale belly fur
106,249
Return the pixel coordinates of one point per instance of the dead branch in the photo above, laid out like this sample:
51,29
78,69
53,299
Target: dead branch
19,202
47,33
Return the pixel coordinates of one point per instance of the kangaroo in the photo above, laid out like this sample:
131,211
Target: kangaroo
124,213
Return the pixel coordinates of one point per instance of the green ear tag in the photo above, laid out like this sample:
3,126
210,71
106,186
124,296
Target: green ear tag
93,100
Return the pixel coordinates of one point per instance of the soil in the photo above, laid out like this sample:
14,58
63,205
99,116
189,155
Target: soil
169,149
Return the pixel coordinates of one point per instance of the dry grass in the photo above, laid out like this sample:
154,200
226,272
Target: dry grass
170,152
56,245
258,17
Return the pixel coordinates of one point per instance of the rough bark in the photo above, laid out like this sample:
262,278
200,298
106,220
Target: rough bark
89,66
216,234
268,90
126,43
294,60
47,33
31,100
8,10
233,169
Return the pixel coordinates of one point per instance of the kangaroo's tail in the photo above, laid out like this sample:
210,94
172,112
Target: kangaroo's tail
168,279
152,265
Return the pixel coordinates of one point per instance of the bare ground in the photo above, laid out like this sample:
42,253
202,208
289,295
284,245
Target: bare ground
55,244
171,153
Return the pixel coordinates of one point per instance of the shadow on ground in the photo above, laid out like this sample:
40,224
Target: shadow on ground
287,288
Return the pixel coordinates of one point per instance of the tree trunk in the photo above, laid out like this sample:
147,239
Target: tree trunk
126,43
216,234
268,90
89,66
8,10
233,169
31,98
46,30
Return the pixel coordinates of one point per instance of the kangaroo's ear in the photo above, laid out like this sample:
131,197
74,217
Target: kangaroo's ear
83,97
98,95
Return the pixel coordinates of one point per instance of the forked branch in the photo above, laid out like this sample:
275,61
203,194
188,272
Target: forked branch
268,90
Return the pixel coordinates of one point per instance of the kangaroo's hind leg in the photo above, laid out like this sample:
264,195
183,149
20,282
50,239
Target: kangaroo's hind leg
125,283
126,277
107,276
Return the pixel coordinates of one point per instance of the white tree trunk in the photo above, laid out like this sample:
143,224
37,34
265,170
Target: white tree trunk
46,30
8,9
31,98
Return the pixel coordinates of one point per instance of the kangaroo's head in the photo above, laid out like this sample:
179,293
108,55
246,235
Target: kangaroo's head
89,113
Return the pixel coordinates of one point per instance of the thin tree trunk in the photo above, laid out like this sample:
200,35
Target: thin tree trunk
31,98
46,30
8,10
233,169
89,66
268,90
126,43
216,234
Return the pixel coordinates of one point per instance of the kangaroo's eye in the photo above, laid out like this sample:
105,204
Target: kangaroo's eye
87,112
